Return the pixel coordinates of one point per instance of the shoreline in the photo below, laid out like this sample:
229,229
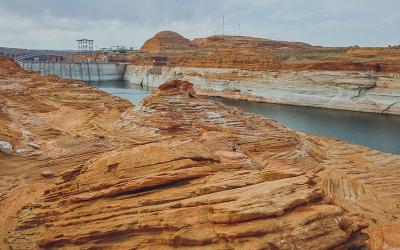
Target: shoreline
363,91
259,99
354,91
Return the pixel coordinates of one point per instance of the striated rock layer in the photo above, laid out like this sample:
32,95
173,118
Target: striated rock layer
166,40
257,69
241,67
358,91
162,175
250,53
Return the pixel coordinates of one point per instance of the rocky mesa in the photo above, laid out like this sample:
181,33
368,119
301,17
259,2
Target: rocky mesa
162,175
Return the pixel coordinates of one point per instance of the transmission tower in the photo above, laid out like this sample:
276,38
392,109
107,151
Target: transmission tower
85,44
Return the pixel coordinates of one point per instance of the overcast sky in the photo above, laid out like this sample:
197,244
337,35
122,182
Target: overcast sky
56,24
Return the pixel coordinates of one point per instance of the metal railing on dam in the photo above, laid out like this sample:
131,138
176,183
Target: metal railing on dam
85,71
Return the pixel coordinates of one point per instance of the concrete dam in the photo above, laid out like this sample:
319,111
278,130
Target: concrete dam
85,71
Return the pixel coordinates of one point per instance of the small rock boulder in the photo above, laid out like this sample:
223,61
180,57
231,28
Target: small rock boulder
19,150
27,134
5,147
178,87
70,173
48,174
33,145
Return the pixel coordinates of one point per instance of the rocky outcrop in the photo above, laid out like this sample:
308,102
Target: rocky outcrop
66,118
385,236
166,41
246,43
359,79
357,91
5,147
163,175
249,53
187,168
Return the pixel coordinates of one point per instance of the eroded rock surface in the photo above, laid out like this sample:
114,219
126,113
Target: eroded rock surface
166,41
163,176
358,91
248,68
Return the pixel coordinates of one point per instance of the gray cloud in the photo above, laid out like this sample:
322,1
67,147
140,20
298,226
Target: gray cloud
57,24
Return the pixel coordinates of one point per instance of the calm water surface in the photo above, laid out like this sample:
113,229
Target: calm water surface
377,131
132,92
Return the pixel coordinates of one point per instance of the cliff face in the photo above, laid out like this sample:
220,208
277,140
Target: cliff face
359,79
249,53
357,91
163,175
241,67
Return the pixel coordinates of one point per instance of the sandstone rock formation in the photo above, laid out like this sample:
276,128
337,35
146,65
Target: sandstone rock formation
248,68
162,175
246,42
353,78
249,53
357,91
385,236
166,41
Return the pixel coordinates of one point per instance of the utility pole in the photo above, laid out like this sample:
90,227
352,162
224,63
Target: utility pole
223,25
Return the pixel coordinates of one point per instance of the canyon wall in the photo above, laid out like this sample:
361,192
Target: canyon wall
365,91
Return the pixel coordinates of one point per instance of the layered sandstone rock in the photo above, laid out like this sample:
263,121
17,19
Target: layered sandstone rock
358,91
358,79
163,176
385,236
245,42
249,53
248,68
166,41
66,118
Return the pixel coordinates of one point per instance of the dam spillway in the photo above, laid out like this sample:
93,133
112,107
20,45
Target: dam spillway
85,71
